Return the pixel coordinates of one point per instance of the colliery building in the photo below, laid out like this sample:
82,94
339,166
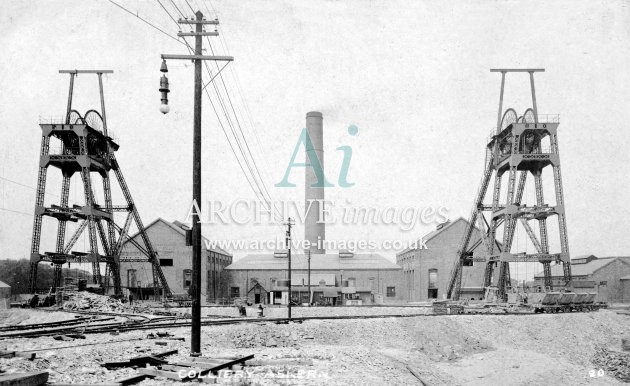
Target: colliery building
608,276
172,242
427,268
335,278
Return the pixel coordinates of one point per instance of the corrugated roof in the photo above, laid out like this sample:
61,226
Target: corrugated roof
583,269
4,285
329,261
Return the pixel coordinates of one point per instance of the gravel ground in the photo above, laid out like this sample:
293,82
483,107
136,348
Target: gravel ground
558,349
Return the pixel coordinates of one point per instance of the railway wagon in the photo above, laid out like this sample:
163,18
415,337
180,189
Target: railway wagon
552,302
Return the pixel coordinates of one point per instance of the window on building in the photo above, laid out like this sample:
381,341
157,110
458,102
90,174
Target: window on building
166,262
468,262
432,292
391,292
433,278
187,278
352,282
131,278
372,283
235,292
603,282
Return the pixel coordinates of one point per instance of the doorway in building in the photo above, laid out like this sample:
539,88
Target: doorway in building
256,298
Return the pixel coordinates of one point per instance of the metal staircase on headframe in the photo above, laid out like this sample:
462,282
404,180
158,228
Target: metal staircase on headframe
515,148
86,147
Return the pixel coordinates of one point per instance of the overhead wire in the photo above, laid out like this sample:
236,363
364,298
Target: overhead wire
234,73
146,21
260,190
190,49
247,115
238,124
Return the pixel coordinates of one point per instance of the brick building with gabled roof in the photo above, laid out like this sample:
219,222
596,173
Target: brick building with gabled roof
336,278
604,275
172,242
426,271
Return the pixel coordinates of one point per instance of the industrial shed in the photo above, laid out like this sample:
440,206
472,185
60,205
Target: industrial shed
5,295
335,278
604,275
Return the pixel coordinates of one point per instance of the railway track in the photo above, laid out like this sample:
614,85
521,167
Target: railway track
162,324
33,326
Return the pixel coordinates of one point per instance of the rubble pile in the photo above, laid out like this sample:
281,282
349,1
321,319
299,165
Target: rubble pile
78,301
614,363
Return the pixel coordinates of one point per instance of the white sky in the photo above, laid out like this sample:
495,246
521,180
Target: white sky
413,77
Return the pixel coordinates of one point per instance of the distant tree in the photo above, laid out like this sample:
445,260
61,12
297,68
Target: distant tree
16,274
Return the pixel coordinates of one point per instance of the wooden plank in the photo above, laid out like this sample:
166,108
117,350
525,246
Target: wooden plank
160,373
209,363
280,362
153,359
115,365
24,379
131,380
177,367
165,353
146,359
228,364
213,359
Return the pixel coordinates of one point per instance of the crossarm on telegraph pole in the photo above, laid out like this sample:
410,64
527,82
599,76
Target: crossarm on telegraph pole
197,58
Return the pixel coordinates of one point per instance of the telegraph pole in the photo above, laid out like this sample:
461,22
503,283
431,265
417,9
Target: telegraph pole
308,251
288,242
195,291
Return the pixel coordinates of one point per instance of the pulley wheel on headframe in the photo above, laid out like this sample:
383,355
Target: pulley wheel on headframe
74,118
94,120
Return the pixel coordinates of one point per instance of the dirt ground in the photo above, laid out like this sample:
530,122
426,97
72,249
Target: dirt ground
556,349
26,316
